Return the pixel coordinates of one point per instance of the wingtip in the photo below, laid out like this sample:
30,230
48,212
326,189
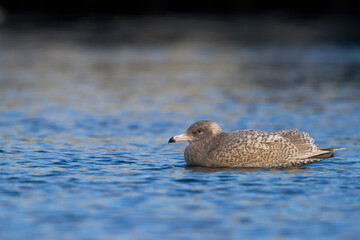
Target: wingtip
332,149
337,149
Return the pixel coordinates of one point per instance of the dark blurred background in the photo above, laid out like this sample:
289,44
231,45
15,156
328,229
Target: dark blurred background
302,8
259,20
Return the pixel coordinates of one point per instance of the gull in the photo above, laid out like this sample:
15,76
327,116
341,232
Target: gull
209,146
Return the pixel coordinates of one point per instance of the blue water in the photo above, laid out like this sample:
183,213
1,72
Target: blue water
84,131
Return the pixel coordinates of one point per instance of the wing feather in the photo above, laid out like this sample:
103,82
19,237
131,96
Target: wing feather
253,148
302,141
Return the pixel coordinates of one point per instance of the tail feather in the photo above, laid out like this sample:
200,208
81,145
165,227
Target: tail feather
323,151
321,154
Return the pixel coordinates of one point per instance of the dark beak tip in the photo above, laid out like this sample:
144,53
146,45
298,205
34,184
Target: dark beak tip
171,140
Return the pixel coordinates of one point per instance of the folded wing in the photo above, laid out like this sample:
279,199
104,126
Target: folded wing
254,148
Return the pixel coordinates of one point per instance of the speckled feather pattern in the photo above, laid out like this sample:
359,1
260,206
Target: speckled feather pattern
243,148
250,148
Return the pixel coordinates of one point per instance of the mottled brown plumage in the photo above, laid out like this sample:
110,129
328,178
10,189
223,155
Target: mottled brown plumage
211,147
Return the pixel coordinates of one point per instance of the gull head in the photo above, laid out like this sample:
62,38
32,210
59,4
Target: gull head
197,131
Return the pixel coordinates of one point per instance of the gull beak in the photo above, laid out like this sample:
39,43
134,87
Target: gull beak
178,138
